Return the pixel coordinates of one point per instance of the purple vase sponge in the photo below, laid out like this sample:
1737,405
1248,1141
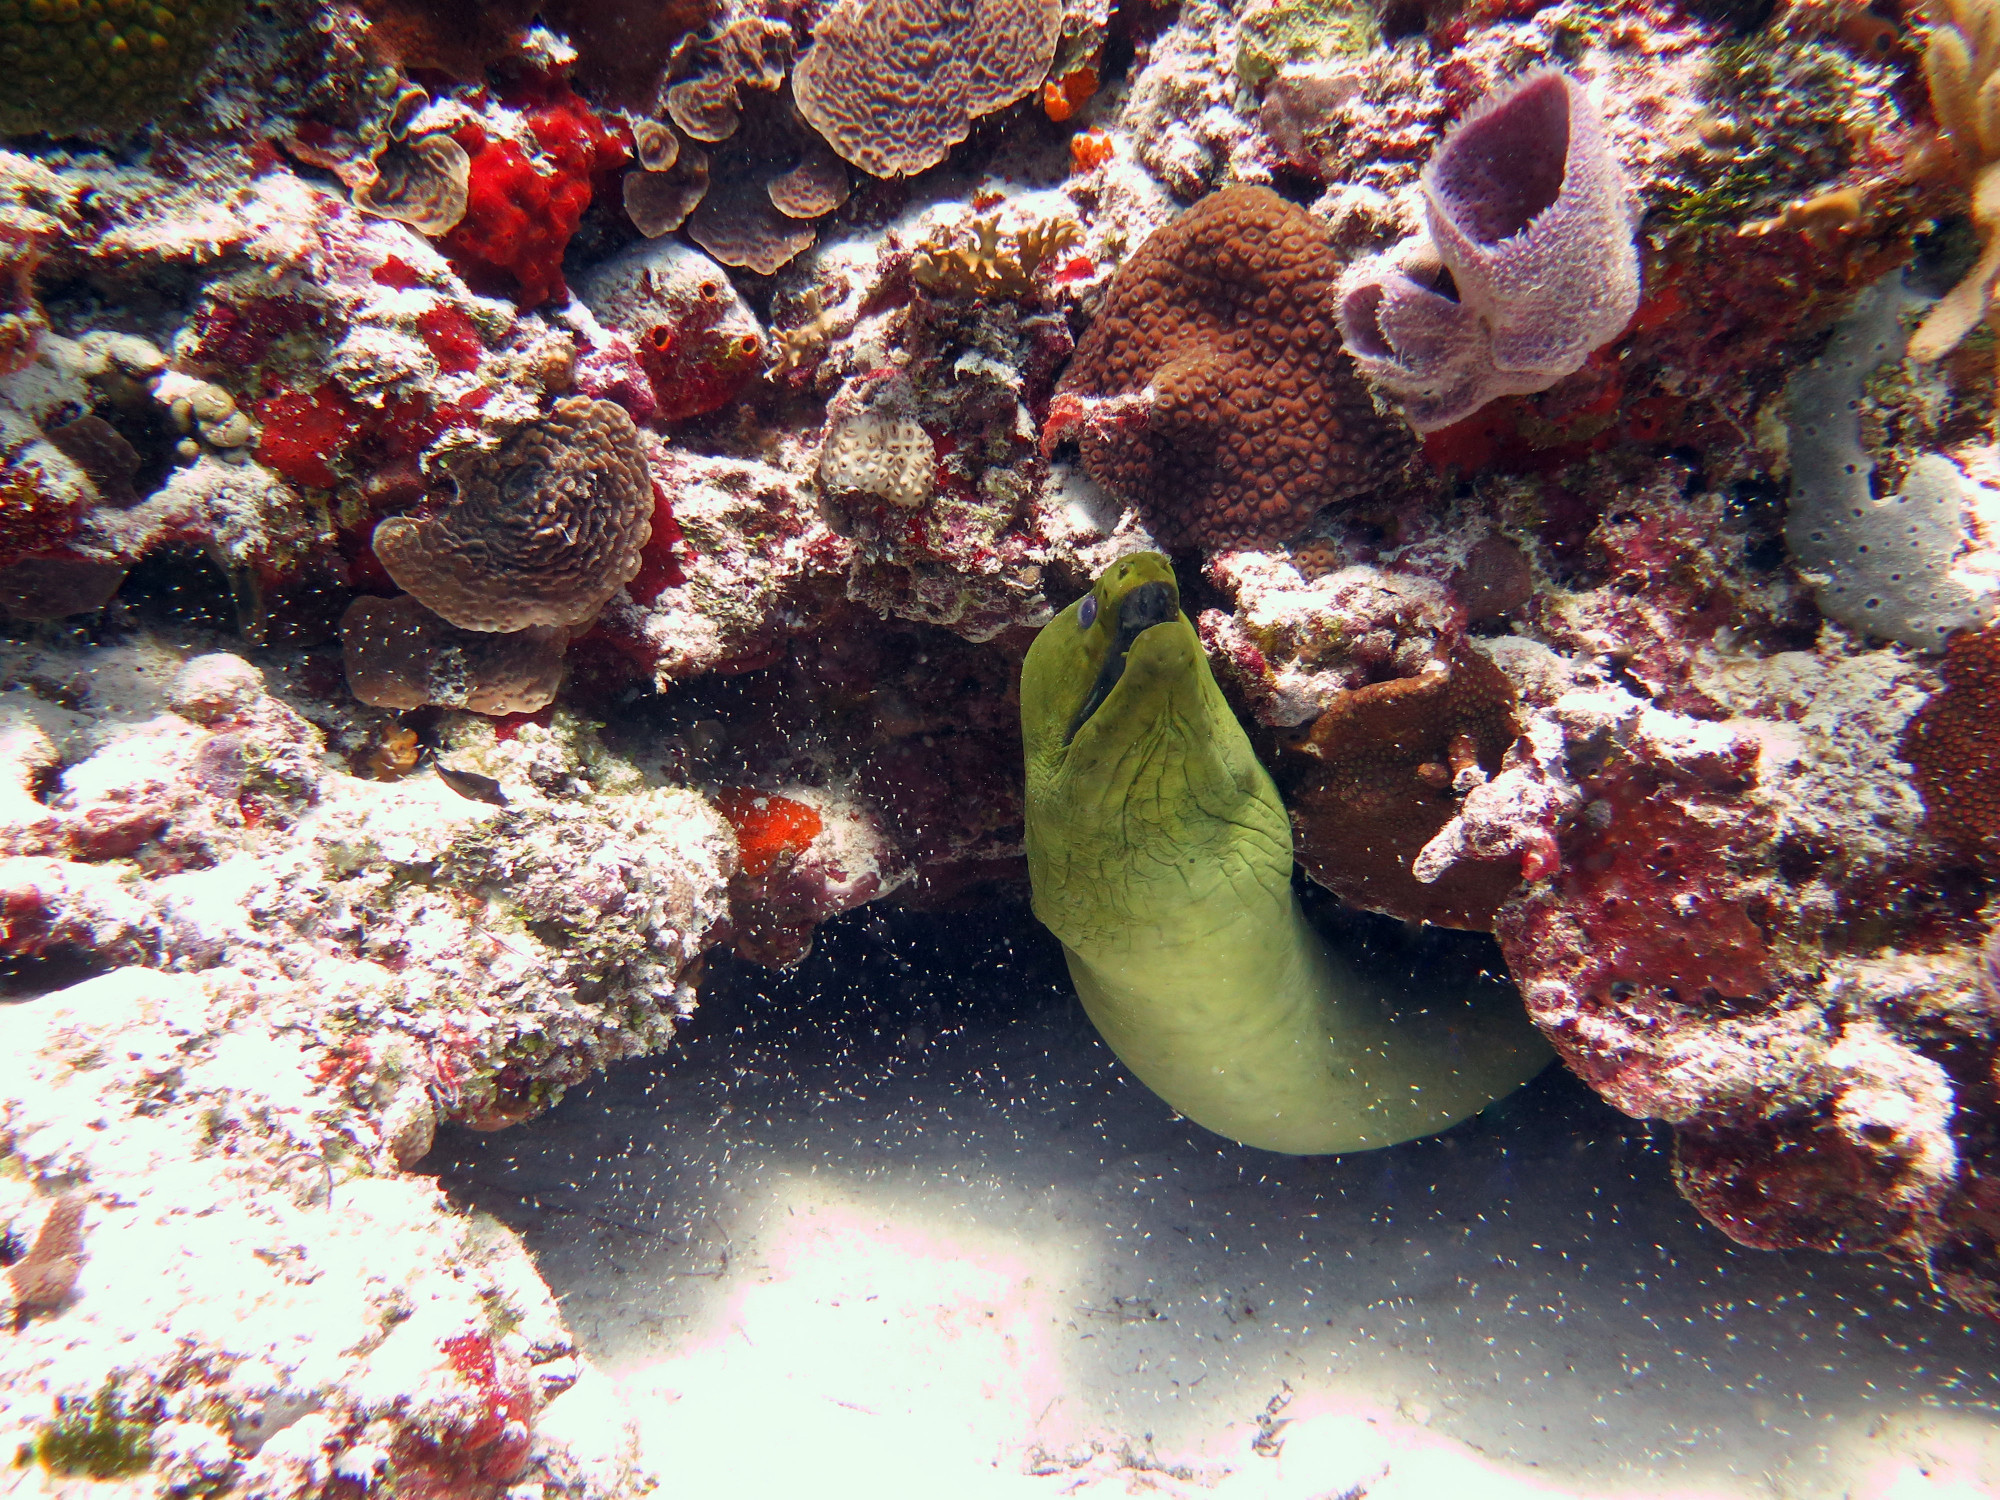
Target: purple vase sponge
1527,265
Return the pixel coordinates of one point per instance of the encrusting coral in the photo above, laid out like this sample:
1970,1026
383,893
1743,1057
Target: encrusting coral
542,531
1212,391
400,655
1527,266
893,85
1385,768
711,70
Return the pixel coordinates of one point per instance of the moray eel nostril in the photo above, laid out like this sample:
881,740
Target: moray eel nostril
1162,857
1147,605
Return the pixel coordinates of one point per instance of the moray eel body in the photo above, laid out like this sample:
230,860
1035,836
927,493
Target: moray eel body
1161,856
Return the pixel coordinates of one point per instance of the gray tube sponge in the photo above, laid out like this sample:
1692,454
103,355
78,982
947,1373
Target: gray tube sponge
1527,266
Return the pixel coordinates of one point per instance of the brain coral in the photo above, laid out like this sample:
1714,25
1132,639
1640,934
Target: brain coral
1256,418
88,65
893,85
542,531
1529,263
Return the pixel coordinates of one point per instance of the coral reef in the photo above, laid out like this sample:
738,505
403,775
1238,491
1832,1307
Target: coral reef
593,632
1211,392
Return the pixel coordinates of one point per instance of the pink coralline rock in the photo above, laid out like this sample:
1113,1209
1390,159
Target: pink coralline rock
186,814
1707,932
848,862
279,1019
753,548
1730,914
1293,642
389,1338
175,791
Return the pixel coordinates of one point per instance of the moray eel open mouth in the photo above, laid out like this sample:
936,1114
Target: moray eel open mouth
1161,855
1146,605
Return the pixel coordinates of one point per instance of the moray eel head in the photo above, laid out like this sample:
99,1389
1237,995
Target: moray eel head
1143,794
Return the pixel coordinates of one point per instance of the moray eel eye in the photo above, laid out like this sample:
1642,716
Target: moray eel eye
1086,614
1144,607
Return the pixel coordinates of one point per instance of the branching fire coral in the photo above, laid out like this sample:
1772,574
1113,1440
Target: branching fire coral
990,264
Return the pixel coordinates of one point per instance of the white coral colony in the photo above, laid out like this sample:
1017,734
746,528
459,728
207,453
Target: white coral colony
1528,263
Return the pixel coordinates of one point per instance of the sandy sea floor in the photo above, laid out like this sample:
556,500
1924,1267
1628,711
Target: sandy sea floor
897,1224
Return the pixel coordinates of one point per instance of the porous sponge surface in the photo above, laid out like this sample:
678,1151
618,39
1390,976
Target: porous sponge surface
1881,566
76,65
1258,418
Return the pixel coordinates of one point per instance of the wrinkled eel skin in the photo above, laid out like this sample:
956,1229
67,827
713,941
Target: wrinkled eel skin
1161,855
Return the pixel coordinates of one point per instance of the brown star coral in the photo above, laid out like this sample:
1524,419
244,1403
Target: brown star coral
543,531
893,85
1952,743
1251,417
74,66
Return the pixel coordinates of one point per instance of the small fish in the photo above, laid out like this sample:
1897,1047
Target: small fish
470,784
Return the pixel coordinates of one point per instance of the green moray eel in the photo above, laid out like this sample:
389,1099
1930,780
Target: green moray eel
1161,855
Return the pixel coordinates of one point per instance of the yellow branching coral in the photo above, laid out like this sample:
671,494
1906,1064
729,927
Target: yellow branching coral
1960,63
990,264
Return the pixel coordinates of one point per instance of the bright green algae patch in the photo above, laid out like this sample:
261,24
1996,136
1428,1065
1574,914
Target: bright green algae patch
100,1438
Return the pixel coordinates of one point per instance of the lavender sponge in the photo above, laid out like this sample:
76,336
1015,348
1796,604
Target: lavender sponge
1527,265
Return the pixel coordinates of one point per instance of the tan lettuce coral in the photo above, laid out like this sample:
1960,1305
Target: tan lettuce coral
893,85
543,531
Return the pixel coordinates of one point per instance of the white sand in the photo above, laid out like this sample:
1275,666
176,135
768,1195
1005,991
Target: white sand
931,1242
